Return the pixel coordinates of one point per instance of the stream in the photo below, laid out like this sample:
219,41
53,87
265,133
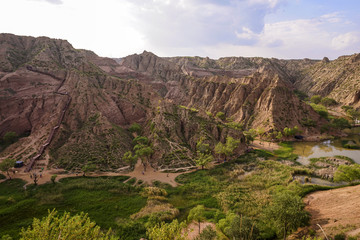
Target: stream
328,148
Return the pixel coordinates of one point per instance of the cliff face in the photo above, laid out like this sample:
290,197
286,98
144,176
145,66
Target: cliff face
338,79
87,103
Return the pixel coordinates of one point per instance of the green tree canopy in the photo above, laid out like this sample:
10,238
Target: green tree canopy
166,231
237,227
129,158
54,227
316,99
135,128
89,167
197,214
287,212
203,159
6,164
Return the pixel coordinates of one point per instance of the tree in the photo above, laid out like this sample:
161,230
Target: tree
202,147
220,149
197,214
287,212
228,148
315,99
237,227
129,158
135,128
141,140
53,178
347,173
6,164
340,123
250,135
203,159
207,234
143,151
54,227
220,115
231,145
89,167
166,231
326,101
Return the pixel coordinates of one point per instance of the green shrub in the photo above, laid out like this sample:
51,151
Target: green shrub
315,99
340,236
221,115
135,128
326,101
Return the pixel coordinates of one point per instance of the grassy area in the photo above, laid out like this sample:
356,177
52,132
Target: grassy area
285,152
244,186
106,200
2,176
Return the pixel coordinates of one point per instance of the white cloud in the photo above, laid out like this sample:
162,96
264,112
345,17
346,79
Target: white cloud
346,40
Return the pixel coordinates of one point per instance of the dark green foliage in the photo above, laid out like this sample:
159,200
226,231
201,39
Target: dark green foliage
349,144
287,212
315,99
321,110
6,164
207,233
340,236
8,139
221,115
135,128
308,122
340,123
141,140
238,227
326,101
301,95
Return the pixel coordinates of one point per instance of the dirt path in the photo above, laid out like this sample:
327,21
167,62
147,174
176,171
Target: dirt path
193,229
336,210
268,146
147,176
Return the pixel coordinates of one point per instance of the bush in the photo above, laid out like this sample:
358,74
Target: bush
221,115
135,127
340,123
321,110
340,236
315,99
328,102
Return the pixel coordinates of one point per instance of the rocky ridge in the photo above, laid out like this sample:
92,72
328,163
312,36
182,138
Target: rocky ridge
174,99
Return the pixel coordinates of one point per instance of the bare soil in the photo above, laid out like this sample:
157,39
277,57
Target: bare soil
268,146
337,211
44,176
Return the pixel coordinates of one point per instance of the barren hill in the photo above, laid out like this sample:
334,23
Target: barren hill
81,106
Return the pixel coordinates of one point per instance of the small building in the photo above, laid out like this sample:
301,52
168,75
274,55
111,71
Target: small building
19,164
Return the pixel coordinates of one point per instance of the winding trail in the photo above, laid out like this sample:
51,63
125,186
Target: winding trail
61,117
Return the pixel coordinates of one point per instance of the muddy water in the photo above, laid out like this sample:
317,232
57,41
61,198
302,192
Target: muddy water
328,148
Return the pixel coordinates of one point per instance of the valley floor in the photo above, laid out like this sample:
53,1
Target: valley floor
336,210
148,176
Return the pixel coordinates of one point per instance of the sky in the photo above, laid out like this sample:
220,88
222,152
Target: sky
288,29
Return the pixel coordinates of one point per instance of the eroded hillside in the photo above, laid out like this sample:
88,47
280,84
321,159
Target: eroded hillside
87,103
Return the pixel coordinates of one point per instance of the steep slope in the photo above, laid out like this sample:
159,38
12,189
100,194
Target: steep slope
257,92
338,79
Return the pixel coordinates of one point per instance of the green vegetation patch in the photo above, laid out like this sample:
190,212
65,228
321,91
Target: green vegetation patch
105,199
285,152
